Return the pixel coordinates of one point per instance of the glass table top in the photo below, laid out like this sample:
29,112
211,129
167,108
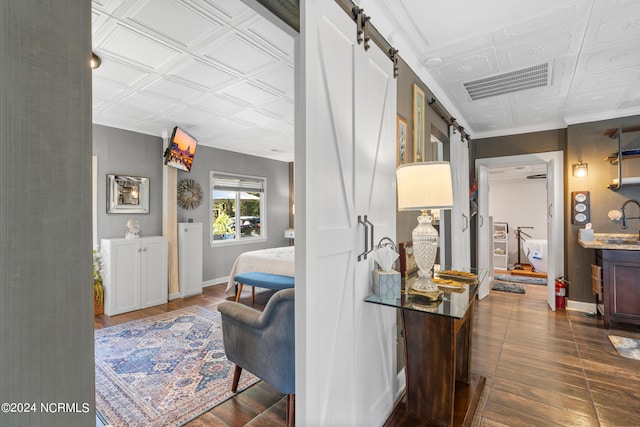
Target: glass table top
458,288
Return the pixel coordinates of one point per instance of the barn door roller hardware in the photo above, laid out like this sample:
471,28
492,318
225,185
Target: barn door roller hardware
362,33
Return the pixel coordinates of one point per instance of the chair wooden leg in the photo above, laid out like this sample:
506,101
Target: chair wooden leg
291,410
253,295
238,292
236,378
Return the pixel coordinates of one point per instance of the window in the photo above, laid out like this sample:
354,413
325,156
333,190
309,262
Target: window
237,208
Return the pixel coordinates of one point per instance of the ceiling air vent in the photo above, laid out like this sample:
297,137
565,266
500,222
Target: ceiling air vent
513,81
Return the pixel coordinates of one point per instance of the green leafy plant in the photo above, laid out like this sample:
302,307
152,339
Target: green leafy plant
222,224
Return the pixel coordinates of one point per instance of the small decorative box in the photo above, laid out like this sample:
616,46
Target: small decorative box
386,284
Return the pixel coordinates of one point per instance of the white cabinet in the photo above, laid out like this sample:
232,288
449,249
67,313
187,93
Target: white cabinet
135,273
190,258
500,245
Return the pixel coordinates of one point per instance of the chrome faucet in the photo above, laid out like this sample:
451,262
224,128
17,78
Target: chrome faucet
624,216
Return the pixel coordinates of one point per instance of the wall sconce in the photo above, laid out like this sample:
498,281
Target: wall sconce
95,61
580,169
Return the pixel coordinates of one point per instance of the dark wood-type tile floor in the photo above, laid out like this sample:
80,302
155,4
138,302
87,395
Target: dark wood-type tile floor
542,368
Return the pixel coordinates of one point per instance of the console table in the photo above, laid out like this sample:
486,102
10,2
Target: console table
437,337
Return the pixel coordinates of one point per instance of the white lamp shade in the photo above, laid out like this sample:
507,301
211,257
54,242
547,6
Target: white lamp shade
424,186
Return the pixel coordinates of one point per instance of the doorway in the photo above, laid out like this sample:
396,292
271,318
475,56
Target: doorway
554,213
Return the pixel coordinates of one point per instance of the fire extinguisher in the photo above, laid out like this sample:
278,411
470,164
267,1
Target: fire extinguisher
561,293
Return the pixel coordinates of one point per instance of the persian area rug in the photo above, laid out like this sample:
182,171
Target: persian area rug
521,279
507,287
164,370
626,347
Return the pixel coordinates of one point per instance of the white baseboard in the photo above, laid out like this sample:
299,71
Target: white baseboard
581,306
175,295
217,281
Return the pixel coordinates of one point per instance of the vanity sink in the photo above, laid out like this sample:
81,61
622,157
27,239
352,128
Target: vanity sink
611,241
620,242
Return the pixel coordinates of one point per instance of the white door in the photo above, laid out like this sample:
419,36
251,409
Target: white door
460,230
347,170
154,284
190,258
483,248
552,227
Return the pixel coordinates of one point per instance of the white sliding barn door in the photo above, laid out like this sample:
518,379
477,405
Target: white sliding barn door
460,221
345,168
483,247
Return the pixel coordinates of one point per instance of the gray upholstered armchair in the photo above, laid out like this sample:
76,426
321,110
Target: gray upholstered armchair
263,343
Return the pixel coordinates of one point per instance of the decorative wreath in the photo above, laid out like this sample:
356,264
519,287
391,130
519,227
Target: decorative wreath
189,193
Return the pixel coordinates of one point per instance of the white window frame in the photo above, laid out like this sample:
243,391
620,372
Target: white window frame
240,185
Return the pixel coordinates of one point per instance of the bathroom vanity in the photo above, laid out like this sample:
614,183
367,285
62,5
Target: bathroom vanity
618,255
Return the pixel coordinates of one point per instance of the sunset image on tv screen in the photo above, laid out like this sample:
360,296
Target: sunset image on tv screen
182,148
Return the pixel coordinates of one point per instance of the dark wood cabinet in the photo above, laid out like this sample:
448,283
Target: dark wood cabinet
621,285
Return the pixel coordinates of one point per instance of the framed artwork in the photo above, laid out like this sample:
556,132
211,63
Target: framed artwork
408,264
402,144
418,124
127,194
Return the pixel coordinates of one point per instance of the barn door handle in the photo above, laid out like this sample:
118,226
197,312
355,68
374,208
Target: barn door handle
550,210
481,220
466,222
366,237
372,239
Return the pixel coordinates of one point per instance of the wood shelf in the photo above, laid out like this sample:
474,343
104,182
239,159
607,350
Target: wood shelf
613,133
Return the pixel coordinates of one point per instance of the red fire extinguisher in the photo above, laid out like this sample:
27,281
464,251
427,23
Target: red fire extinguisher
561,293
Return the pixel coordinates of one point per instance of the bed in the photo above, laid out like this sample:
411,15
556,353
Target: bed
274,260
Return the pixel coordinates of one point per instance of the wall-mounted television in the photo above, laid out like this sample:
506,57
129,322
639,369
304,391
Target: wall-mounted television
182,148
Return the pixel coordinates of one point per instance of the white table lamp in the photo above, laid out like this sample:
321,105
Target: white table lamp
423,186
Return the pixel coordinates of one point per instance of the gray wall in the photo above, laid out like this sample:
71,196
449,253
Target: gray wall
219,260
434,124
46,286
589,142
124,152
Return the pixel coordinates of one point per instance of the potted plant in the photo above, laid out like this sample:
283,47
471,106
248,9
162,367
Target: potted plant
98,289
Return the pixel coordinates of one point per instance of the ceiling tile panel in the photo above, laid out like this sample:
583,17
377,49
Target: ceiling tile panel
610,59
274,37
188,117
124,114
104,91
229,10
256,118
249,93
574,14
144,102
119,72
168,88
219,104
614,22
204,75
469,67
281,107
239,54
536,50
175,21
137,48
279,77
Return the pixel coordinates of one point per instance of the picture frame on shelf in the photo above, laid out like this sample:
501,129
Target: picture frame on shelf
418,123
127,194
408,264
402,153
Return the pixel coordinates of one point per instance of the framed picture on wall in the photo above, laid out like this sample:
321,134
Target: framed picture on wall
127,194
418,124
402,152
